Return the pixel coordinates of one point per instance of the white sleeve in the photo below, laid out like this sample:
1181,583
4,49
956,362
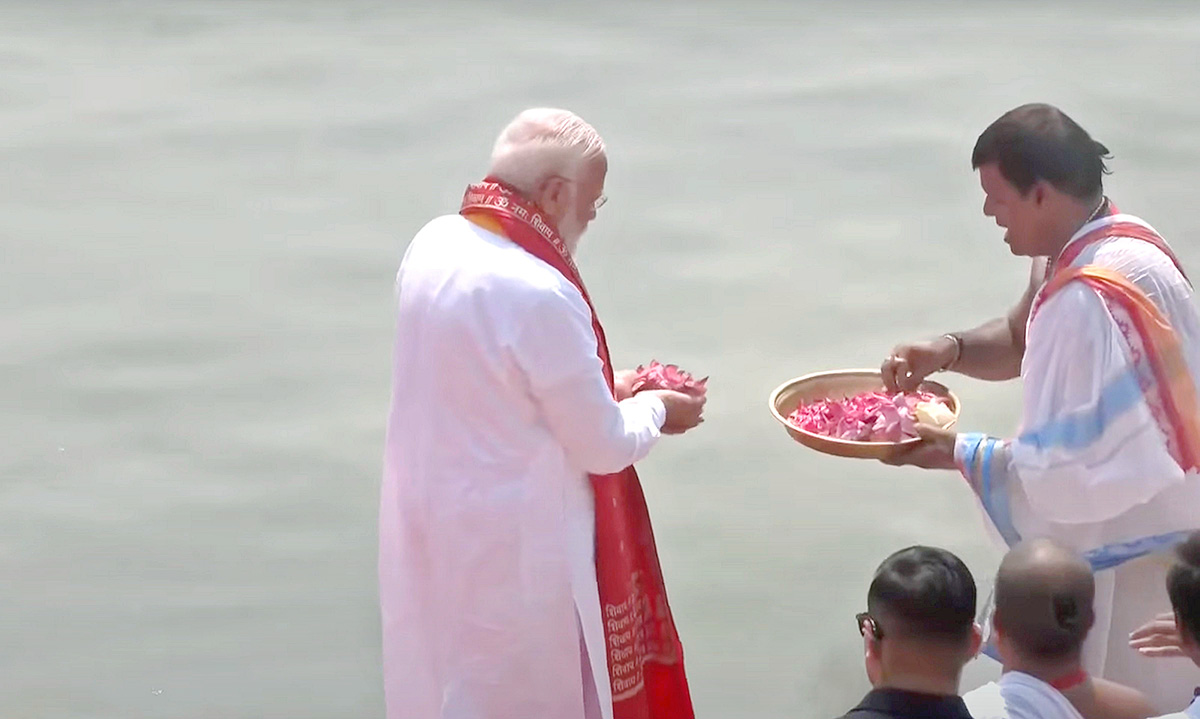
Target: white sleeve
556,349
1091,449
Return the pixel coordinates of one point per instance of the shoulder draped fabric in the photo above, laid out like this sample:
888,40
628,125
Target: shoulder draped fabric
645,656
1172,379
1019,696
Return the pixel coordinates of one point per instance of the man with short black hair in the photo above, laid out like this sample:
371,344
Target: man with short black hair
918,632
1106,341
1044,595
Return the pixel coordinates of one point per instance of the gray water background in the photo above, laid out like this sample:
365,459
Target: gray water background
202,206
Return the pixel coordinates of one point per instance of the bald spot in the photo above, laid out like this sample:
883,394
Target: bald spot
1044,595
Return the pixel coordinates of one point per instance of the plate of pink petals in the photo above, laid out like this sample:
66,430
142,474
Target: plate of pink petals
849,413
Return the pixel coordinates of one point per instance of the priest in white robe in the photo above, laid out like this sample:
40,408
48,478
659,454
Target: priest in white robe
506,426
1106,342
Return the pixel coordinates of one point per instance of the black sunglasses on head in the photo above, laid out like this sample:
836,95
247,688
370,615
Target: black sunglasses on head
865,620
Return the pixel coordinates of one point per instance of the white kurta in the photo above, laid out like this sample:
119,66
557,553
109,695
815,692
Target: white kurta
486,537
1091,467
1019,696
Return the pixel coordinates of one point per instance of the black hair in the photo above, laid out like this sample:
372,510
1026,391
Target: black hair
923,593
1040,142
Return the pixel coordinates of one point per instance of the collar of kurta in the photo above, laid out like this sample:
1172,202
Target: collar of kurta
911,705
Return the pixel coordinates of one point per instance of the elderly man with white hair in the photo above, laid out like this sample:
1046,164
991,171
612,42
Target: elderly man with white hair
518,572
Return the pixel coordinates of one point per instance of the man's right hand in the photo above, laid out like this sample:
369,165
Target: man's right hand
910,364
684,411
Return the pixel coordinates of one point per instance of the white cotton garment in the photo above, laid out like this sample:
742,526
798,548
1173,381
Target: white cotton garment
499,410
1019,696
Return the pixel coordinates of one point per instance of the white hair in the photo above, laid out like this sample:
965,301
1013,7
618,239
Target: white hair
541,142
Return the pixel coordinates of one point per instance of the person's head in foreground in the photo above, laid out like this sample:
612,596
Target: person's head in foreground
919,628
557,161
1183,586
1041,175
1044,611
1044,595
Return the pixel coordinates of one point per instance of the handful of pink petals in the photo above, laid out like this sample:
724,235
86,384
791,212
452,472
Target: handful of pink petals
668,376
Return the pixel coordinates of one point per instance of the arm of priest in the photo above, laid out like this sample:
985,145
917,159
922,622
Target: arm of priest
1091,448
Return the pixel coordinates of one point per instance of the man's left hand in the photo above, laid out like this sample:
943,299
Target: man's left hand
935,451
1158,637
623,383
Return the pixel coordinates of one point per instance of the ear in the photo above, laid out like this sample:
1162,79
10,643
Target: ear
872,660
554,197
977,639
870,647
1040,193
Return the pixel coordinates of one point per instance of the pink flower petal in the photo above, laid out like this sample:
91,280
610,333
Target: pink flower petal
868,416
660,376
